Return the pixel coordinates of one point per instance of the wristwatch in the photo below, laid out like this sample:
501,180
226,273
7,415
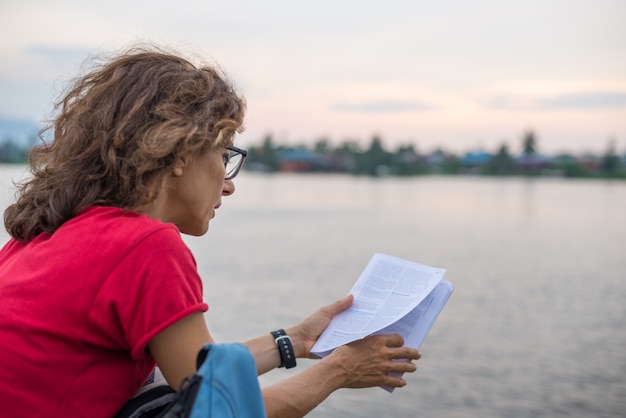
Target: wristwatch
283,342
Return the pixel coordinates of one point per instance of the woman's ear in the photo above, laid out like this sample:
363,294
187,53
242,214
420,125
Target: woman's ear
179,166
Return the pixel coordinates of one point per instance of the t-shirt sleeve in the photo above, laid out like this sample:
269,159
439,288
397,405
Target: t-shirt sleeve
154,285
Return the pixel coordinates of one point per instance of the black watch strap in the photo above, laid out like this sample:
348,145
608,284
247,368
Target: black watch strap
283,342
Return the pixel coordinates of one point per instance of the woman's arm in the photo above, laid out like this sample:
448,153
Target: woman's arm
175,349
363,363
302,336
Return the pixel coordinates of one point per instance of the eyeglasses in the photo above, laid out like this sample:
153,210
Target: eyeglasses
233,161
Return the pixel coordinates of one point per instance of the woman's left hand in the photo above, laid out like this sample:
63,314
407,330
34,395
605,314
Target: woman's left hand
304,335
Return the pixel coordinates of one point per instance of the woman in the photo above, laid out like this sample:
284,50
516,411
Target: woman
96,283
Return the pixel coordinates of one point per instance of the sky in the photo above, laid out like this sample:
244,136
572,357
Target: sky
457,74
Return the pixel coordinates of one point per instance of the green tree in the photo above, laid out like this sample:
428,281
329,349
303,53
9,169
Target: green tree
529,143
10,152
349,146
264,157
321,146
451,165
610,164
407,162
568,165
501,163
375,160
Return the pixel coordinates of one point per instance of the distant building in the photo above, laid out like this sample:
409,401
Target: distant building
589,163
473,162
298,161
337,162
533,162
475,159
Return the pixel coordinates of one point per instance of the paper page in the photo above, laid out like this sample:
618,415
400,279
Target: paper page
415,325
388,289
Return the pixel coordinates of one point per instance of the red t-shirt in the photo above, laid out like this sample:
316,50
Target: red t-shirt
79,306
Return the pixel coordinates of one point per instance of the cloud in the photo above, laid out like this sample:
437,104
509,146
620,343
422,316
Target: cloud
586,100
590,100
382,106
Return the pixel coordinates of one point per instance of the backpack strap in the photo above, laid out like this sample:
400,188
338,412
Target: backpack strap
226,385
148,404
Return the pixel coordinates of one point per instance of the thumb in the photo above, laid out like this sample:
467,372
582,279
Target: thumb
339,306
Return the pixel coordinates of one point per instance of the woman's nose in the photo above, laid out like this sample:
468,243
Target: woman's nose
228,188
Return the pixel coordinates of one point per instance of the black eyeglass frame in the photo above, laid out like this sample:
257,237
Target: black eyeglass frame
237,151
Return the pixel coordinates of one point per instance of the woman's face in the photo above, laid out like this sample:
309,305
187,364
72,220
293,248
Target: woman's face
193,191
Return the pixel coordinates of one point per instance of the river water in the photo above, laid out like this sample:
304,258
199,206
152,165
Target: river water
536,326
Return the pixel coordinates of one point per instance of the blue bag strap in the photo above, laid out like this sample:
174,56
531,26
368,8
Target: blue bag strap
230,385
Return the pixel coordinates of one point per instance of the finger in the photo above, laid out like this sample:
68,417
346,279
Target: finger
339,306
393,340
393,381
402,366
405,353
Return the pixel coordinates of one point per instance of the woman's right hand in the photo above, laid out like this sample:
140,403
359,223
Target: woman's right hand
368,362
361,364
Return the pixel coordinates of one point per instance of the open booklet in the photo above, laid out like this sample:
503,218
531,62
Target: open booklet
392,296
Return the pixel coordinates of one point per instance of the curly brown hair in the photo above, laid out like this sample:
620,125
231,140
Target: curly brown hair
118,131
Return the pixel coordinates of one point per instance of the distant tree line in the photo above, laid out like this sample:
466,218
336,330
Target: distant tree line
376,160
12,152
405,160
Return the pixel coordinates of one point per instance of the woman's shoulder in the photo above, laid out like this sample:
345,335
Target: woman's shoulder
107,216
110,226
